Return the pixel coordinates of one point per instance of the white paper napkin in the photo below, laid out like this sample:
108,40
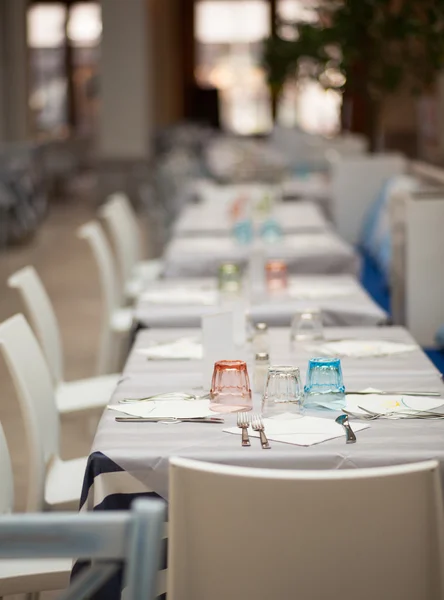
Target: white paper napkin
165,409
311,291
181,296
390,403
364,348
181,349
300,431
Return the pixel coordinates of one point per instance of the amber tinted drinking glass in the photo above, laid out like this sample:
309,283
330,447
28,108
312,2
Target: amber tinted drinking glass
230,387
276,274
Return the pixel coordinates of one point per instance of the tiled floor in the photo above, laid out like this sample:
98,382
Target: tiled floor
65,265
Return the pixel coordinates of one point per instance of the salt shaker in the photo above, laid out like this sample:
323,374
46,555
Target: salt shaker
260,339
261,364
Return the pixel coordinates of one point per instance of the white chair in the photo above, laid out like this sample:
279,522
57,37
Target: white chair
239,533
72,396
116,321
121,221
52,483
30,575
109,539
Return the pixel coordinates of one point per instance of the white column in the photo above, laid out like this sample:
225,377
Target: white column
125,124
14,66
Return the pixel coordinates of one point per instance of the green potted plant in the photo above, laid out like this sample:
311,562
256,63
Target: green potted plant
365,48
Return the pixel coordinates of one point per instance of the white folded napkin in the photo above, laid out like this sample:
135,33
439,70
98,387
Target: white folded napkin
181,296
300,431
311,291
181,349
390,403
364,348
165,409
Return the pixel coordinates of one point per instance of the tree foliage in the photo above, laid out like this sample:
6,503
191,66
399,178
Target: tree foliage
377,45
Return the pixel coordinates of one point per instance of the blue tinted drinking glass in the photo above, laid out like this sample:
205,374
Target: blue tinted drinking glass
271,231
243,231
324,387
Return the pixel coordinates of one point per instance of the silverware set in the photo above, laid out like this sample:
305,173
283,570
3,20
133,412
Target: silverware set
244,420
408,413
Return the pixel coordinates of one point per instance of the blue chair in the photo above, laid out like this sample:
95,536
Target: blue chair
109,539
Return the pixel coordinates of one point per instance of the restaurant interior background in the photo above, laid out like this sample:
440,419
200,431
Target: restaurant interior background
145,97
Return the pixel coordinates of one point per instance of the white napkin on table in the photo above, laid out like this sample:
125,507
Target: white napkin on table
181,296
364,348
300,431
390,403
165,409
181,349
311,291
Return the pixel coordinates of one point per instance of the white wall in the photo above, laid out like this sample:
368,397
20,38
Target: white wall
125,114
355,184
424,260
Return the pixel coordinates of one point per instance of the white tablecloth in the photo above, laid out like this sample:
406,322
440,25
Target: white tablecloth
308,254
143,450
352,308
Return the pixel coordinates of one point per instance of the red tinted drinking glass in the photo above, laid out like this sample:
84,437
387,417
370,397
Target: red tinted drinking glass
230,387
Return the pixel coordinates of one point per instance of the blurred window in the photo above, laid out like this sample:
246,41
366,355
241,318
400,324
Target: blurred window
64,47
228,37
48,85
304,102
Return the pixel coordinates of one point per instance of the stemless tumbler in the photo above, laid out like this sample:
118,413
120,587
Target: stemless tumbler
229,278
276,273
283,391
307,326
230,387
324,387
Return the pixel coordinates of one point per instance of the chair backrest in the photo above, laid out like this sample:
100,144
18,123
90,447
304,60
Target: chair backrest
107,538
93,233
238,532
6,479
35,392
120,219
42,317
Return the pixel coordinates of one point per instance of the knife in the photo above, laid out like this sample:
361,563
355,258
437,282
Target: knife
168,420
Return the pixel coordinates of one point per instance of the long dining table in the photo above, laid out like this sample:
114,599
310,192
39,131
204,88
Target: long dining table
304,254
341,299
212,217
132,458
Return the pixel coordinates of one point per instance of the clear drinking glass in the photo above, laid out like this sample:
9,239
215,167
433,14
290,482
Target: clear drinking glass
277,276
283,392
324,387
230,387
307,326
229,278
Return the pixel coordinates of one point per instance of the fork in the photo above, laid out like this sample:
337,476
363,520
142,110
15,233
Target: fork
258,425
243,422
394,415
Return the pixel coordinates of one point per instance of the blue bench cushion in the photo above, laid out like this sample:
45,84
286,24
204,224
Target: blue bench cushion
375,237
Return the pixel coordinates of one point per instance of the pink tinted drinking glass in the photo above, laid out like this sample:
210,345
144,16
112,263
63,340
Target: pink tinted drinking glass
230,387
277,277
